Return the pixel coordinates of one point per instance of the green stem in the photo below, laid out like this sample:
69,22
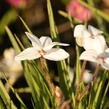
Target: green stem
79,84
82,72
89,85
46,75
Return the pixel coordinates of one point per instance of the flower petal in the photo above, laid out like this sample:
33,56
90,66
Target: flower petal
56,54
78,30
28,54
105,54
45,41
89,55
94,30
34,40
98,44
81,31
107,50
54,44
104,61
105,66
80,41
87,76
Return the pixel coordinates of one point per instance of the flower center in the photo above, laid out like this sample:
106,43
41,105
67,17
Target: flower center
42,52
92,36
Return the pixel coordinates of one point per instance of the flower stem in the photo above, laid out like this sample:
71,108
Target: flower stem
79,82
56,92
81,76
96,72
82,72
46,75
89,85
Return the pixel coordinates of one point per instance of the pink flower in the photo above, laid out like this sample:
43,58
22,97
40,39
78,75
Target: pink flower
78,11
18,3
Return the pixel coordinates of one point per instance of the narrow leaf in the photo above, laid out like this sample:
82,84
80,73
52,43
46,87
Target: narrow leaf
12,39
6,98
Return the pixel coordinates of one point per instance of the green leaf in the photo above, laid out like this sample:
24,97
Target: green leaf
19,42
12,39
25,25
2,106
66,15
32,84
99,91
62,67
104,96
53,28
9,17
16,94
37,86
6,98
78,64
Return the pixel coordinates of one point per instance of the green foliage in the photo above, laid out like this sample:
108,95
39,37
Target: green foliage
9,17
12,39
6,98
62,67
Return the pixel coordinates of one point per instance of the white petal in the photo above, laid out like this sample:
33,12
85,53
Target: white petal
105,54
94,30
89,55
54,44
80,41
105,66
78,30
81,31
56,54
71,74
106,60
28,54
34,40
98,44
107,50
45,41
87,76
86,34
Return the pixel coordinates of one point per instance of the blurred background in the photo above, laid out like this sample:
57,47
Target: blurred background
34,13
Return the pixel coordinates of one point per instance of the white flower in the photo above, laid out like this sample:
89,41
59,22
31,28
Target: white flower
90,38
12,68
99,58
87,76
80,33
43,47
8,63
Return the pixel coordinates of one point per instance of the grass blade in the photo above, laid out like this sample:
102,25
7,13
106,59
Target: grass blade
97,98
62,67
26,26
12,39
9,17
6,98
104,96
